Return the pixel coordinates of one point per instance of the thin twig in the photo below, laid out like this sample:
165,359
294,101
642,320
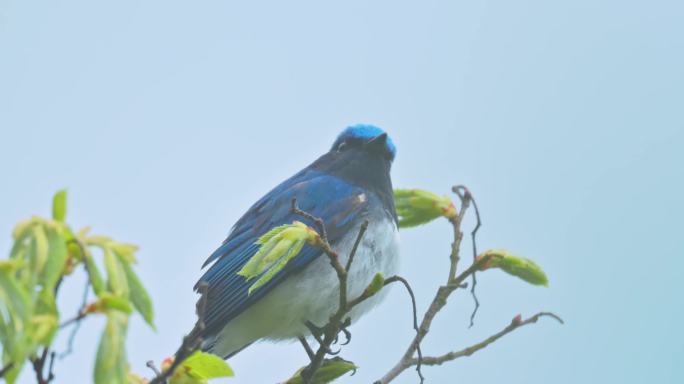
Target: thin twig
6,368
150,365
335,323
320,225
362,231
191,342
464,193
515,324
307,347
443,292
81,314
39,365
406,284
51,374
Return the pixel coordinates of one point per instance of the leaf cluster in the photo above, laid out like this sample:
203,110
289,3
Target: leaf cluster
46,251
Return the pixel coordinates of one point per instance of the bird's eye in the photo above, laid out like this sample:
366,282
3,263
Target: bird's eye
342,146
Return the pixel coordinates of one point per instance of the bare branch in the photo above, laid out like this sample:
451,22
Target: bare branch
320,225
464,193
336,321
39,366
458,237
191,342
406,284
150,365
81,314
441,296
6,368
362,231
515,324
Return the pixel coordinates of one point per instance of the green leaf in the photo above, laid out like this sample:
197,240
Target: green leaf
57,256
45,320
416,206
10,265
110,302
520,267
278,247
16,298
199,367
329,371
59,205
21,236
138,295
376,284
125,251
94,274
110,363
43,328
22,228
116,278
290,253
40,256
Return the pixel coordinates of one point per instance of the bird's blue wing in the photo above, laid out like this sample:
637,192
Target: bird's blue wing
338,203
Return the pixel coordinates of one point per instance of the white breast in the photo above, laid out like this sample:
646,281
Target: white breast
313,294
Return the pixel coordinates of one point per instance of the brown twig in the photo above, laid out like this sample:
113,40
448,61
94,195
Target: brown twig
77,319
6,368
39,366
191,342
443,292
150,365
419,352
464,193
515,324
335,323
320,225
436,305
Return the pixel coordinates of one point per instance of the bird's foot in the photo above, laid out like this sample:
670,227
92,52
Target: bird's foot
318,334
344,329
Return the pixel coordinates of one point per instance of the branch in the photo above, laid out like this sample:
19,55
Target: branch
443,292
515,324
39,366
335,323
415,320
191,342
6,368
437,304
464,193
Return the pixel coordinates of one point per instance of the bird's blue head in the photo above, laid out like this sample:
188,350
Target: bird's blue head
366,137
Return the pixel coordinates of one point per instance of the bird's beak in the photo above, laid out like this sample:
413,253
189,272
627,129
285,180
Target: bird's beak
378,142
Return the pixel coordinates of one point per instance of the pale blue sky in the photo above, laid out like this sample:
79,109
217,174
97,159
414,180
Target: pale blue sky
167,119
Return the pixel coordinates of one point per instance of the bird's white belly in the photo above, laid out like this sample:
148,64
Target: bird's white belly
313,294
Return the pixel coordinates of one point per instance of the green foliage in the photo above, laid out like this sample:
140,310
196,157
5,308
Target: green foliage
44,252
110,364
278,246
376,284
329,371
416,206
59,202
520,267
199,367
138,295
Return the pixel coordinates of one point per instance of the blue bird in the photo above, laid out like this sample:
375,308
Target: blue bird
347,185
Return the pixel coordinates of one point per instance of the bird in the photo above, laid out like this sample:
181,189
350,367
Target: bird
344,187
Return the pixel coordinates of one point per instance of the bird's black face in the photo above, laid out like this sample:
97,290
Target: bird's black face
362,155
365,141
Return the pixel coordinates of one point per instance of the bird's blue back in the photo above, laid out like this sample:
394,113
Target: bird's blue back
336,201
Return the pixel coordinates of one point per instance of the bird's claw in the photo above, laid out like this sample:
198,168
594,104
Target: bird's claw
317,333
343,329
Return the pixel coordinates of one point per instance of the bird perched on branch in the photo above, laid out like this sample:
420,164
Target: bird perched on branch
344,187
